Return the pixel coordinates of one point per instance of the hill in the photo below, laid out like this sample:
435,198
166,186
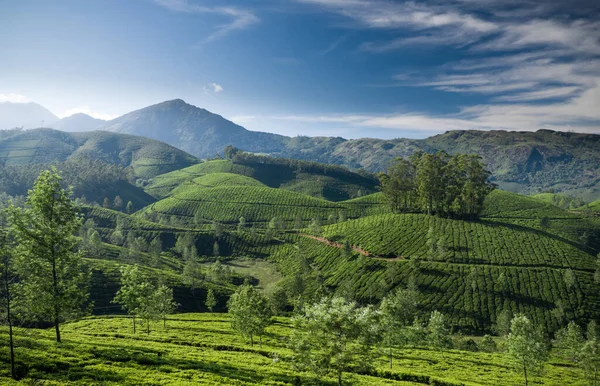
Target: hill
147,157
329,182
26,115
77,122
469,270
192,129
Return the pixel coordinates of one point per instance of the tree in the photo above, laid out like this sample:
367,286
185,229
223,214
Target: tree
503,321
118,203
155,250
129,208
526,346
397,310
298,222
184,241
569,278
332,335
250,312
217,229
589,360
93,243
134,289
544,223
569,341
315,226
210,301
106,203
192,273
216,249
163,303
54,281
438,334
347,248
241,224
8,281
197,219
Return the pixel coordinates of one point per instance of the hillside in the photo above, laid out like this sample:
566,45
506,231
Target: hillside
458,272
147,157
329,182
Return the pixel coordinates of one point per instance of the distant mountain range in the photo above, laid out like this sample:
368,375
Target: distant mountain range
26,115
524,162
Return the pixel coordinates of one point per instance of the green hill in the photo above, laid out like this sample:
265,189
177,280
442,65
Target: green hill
561,200
329,182
147,157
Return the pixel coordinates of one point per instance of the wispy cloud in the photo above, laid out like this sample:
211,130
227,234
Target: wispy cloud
240,18
14,98
212,89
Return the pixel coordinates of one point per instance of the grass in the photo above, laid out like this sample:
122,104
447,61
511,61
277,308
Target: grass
201,349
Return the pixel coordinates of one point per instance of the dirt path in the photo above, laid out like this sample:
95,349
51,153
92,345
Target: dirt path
354,247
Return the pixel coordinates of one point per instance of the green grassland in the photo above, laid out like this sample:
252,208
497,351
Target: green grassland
202,349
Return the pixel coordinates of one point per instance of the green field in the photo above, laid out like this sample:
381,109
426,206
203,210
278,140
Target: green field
202,349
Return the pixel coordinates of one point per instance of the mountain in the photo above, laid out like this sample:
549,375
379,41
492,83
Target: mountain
193,129
148,157
77,122
522,162
26,115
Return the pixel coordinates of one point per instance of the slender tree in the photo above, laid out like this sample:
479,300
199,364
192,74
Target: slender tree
192,273
398,310
163,303
438,333
54,281
134,289
250,312
526,346
210,301
8,281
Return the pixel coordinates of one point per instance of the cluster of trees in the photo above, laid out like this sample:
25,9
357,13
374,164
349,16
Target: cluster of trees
144,299
453,186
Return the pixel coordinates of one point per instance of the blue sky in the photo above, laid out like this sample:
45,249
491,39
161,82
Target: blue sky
350,68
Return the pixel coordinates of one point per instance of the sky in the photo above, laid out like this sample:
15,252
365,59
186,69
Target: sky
349,68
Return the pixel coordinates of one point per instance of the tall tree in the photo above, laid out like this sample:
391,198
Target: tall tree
526,346
332,335
438,333
210,301
134,289
250,312
54,280
589,360
7,293
398,310
192,273
163,303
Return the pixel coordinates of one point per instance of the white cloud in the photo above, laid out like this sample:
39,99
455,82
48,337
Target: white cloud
217,88
88,111
14,98
240,18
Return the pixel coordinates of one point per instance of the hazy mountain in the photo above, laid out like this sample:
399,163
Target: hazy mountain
148,157
193,129
77,123
26,115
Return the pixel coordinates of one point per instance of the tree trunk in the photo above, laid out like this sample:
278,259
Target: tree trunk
260,341
10,327
525,372
251,341
55,300
165,322
339,377
148,326
134,324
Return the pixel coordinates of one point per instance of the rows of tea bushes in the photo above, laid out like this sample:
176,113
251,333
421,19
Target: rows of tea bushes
457,241
472,295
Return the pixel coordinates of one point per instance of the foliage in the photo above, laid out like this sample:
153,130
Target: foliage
333,335
250,312
526,346
54,281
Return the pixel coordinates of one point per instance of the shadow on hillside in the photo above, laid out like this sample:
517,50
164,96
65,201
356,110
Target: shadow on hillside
521,228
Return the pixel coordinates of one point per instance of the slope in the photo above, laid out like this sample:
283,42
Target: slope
25,115
147,157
